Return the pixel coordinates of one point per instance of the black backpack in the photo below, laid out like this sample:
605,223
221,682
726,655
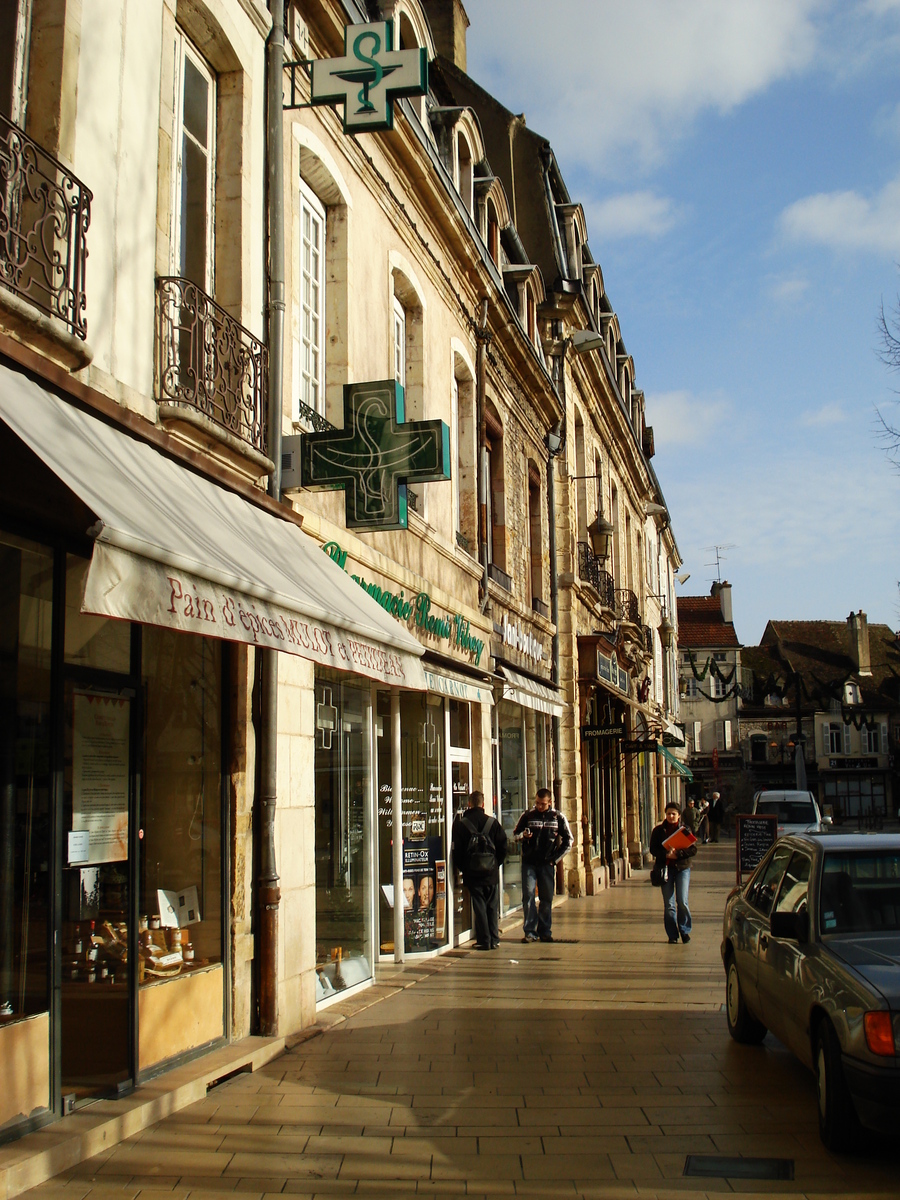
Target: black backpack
481,857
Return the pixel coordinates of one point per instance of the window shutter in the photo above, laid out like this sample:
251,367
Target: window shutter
727,734
697,736
847,738
720,735
826,738
883,748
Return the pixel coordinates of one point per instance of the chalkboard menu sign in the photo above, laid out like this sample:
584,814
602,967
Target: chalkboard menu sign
756,834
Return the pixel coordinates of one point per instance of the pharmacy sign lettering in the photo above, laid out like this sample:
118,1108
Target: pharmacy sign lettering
369,76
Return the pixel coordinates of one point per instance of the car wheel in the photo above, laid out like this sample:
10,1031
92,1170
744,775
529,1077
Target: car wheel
742,1026
838,1123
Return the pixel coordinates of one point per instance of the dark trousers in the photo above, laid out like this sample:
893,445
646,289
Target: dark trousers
540,877
485,899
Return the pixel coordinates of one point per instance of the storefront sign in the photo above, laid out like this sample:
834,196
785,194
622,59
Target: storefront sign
375,455
609,669
520,639
138,589
369,76
459,689
636,746
853,764
415,611
671,739
591,733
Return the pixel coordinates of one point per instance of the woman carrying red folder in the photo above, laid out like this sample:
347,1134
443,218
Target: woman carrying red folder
673,847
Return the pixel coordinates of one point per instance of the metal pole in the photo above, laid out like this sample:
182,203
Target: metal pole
397,829
269,891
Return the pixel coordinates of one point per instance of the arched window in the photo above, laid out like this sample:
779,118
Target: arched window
493,234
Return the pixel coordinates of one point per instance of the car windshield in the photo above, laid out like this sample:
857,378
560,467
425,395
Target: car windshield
789,812
860,892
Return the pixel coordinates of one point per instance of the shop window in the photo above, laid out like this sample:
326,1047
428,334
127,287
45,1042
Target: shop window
312,301
513,794
343,840
425,843
194,171
181,808
92,641
26,601
460,725
758,748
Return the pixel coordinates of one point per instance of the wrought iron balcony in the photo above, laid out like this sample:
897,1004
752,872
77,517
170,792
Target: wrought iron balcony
648,638
463,542
44,217
314,419
591,570
209,363
627,607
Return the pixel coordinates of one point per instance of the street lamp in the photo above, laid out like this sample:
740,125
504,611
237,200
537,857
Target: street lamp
600,533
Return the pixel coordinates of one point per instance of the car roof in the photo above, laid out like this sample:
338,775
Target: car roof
829,841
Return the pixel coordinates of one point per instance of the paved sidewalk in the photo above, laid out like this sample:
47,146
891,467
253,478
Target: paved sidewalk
590,1067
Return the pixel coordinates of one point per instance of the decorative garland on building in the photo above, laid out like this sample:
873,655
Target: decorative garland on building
732,688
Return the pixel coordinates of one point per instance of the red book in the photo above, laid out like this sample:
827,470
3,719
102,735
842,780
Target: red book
679,840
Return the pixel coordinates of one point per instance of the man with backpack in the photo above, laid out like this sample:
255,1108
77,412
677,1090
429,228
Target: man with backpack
545,836
477,850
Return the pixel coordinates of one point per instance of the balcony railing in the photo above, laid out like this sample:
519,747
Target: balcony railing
314,419
44,217
627,607
499,577
209,363
591,570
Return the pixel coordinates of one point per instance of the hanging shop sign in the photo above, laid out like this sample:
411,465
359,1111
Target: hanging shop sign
375,455
369,77
610,671
520,639
416,611
592,733
638,746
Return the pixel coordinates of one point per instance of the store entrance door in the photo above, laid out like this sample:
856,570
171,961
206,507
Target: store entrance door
98,948
460,786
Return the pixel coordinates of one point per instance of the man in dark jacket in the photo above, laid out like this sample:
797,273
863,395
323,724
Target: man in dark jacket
675,866
480,875
545,836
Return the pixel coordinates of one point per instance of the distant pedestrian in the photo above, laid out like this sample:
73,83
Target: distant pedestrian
545,836
716,816
477,850
691,817
675,866
702,829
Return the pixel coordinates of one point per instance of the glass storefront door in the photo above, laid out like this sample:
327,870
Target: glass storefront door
460,786
513,795
343,873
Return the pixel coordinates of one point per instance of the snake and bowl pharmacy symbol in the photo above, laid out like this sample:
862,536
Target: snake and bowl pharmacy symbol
369,76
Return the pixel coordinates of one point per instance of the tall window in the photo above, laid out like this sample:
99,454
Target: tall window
15,23
399,342
535,555
194,173
312,300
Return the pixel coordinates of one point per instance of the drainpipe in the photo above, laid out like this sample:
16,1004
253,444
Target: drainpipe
269,891
482,483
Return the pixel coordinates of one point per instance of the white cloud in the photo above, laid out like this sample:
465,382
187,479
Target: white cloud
680,418
828,414
630,214
611,84
847,220
788,290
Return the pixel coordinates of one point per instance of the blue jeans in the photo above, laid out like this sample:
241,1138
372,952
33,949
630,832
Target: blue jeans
677,915
543,877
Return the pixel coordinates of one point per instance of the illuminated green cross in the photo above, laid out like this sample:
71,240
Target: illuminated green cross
375,455
368,77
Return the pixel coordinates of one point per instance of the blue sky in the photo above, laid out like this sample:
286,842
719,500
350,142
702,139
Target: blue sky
739,166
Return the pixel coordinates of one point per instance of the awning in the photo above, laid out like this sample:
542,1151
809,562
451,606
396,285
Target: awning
458,686
673,761
174,549
529,693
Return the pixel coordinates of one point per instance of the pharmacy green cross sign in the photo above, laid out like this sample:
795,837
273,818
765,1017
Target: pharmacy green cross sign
369,76
375,455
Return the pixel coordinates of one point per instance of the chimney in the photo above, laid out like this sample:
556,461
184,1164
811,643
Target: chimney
723,591
858,628
449,23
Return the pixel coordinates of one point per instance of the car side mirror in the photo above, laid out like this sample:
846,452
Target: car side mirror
827,821
793,926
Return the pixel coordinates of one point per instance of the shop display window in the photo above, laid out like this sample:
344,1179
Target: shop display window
425,844
180,910
343,783
26,603
513,794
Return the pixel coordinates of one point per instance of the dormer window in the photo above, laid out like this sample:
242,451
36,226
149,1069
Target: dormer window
464,171
851,693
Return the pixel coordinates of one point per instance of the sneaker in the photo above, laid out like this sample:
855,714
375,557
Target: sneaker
685,937
547,938
529,937
495,945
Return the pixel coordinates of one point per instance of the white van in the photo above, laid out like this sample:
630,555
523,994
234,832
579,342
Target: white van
797,812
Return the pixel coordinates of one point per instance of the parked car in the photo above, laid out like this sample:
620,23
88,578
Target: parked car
811,947
797,812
